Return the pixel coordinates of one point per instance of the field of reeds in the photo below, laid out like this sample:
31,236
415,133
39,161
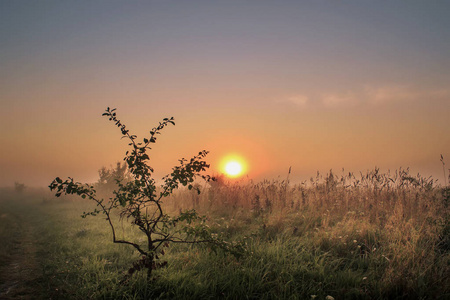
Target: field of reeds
367,236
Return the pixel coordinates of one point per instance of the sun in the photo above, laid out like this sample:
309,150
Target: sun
233,166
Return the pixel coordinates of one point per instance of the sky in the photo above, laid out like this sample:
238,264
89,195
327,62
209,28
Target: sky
312,85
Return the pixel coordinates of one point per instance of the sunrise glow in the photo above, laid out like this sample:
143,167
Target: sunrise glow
233,166
316,85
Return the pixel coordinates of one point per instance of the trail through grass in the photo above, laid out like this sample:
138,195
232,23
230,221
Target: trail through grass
20,272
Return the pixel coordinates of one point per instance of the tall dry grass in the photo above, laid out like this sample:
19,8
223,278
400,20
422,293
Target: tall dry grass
396,222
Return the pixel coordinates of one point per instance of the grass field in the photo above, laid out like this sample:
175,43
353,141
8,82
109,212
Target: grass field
373,236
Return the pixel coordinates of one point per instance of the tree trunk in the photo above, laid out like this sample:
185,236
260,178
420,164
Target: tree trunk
149,273
150,261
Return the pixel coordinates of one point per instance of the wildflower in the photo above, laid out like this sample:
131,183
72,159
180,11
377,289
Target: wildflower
329,297
313,296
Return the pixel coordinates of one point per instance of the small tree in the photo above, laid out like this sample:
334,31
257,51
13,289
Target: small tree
108,179
140,200
19,187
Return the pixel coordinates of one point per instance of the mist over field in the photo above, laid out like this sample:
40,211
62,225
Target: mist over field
224,150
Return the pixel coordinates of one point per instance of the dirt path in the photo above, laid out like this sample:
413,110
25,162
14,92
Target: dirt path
20,272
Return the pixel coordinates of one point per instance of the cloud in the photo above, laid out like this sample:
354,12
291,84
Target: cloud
389,94
398,94
369,96
299,100
331,100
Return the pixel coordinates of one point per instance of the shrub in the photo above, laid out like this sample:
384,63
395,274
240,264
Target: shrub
140,200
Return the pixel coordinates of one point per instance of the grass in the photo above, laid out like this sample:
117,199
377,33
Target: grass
373,236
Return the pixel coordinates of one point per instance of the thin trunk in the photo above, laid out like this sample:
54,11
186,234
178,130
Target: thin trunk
149,271
150,257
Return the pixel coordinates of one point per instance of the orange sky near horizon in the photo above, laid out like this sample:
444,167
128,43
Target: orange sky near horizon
312,86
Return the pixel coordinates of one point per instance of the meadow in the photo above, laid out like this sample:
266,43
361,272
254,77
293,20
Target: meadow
367,236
